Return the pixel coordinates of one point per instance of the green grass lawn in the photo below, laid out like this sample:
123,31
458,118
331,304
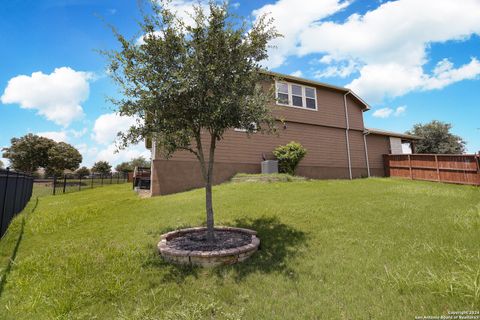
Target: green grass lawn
362,249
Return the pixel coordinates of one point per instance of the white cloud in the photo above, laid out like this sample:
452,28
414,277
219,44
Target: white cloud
400,111
56,96
444,74
387,112
5,161
297,73
58,136
340,70
292,19
78,133
82,148
141,39
108,125
184,10
388,44
383,113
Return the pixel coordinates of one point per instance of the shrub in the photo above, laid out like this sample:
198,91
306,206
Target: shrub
289,156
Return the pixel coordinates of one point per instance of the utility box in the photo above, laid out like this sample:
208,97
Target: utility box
270,166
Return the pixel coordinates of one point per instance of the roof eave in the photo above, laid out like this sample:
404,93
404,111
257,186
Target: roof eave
392,134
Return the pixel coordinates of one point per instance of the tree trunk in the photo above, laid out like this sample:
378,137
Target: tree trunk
207,174
209,209
208,191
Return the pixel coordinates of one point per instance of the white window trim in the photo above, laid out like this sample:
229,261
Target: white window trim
290,100
245,130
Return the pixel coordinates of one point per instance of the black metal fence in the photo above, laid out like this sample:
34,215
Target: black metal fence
67,183
15,192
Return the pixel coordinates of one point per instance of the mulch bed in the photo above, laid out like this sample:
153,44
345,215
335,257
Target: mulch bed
197,241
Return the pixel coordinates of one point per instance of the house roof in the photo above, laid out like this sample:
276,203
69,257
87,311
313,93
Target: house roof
317,83
392,134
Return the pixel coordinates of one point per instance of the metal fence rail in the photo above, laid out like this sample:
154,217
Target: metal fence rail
69,183
15,192
461,168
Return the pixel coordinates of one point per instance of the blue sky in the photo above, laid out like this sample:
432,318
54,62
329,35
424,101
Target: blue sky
411,61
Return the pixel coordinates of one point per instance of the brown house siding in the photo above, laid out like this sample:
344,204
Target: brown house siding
321,132
330,110
326,156
378,145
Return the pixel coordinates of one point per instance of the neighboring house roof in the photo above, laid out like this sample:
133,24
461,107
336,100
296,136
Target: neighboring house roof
317,83
392,134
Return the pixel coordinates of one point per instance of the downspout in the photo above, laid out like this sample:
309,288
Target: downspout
347,129
365,134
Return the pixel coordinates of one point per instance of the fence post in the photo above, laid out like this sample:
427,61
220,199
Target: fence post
101,177
54,183
15,193
24,192
91,181
64,182
111,177
410,166
438,168
80,184
118,177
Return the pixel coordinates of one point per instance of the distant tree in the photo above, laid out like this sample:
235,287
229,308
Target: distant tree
124,167
139,162
82,172
102,167
185,81
29,152
62,156
436,138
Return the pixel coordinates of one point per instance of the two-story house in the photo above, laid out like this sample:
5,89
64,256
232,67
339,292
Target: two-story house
327,120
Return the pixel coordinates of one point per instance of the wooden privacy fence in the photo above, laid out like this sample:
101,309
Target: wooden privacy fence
463,169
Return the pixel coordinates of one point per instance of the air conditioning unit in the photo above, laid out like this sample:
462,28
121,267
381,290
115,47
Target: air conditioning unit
270,166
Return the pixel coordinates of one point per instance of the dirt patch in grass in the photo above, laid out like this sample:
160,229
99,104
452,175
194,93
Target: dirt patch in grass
197,241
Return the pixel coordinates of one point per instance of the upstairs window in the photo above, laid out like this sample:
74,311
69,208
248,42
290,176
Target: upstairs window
295,95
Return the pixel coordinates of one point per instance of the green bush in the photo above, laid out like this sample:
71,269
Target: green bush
289,156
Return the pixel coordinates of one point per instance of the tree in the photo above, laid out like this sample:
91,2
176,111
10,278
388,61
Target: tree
29,152
1,164
139,162
62,156
289,156
188,84
437,138
82,172
124,167
102,167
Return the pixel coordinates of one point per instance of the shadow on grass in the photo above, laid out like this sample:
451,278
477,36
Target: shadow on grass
11,261
279,243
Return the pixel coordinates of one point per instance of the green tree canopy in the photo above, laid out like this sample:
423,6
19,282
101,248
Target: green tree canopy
139,162
29,152
102,167
437,138
185,80
124,167
82,172
62,156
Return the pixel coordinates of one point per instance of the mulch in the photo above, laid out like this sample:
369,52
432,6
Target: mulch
197,241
